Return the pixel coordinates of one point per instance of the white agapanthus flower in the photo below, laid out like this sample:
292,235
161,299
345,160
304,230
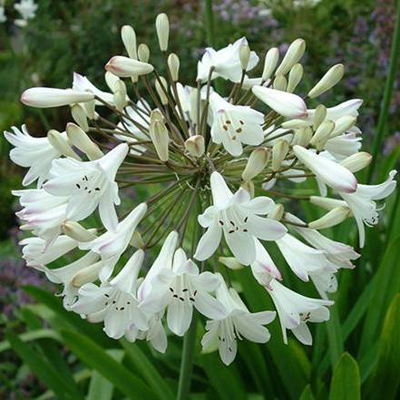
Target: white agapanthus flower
237,216
188,162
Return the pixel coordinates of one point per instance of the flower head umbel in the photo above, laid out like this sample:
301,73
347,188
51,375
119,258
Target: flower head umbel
183,179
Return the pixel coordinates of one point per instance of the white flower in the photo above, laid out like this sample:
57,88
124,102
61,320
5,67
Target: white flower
89,184
3,17
330,172
111,244
43,213
66,276
225,61
114,302
295,310
31,152
235,125
27,9
82,84
238,217
238,322
179,288
36,252
264,268
343,146
363,206
349,107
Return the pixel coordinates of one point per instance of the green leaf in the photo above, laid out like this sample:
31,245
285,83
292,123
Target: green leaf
149,372
45,372
335,338
307,394
95,357
386,378
345,384
30,336
101,388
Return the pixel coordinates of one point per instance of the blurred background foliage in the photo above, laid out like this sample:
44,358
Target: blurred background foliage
57,355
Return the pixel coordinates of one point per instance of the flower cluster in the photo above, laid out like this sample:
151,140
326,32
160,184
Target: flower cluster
219,167
25,8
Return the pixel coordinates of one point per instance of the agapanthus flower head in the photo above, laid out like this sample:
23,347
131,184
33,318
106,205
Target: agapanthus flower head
219,171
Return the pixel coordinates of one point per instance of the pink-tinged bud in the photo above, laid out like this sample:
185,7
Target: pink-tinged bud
43,97
286,104
333,174
125,67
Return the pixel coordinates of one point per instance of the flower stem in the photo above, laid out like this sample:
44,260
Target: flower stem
387,96
185,373
210,23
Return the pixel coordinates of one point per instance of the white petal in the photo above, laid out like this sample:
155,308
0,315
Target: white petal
209,242
179,316
220,191
209,306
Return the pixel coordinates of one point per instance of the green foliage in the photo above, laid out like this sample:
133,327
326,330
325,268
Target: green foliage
345,384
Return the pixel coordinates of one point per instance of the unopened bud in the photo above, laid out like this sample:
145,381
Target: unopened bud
295,123
295,76
257,161
343,124
78,138
280,83
357,161
79,115
143,53
137,240
230,262
244,56
120,100
87,275
173,64
292,56
60,143
332,218
271,60
90,108
319,116
162,27
277,212
161,88
125,67
327,203
302,137
128,36
77,232
323,132
330,79
160,138
279,152
249,187
195,145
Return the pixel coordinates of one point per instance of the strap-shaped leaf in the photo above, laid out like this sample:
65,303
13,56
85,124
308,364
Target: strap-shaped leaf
345,384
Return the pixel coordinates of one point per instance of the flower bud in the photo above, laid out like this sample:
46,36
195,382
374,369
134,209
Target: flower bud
173,65
330,79
230,262
61,144
277,212
137,240
128,36
162,27
87,274
143,53
125,67
295,76
79,115
249,187
323,132
161,88
159,136
319,116
244,56
257,161
43,97
343,124
280,83
357,161
271,60
120,100
302,137
90,108
286,104
195,145
279,152
292,56
327,203
332,218
77,232
81,140
295,123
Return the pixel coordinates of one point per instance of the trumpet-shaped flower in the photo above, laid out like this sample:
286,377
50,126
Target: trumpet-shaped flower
111,244
82,84
31,152
226,62
235,125
238,217
238,322
349,107
89,184
114,302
